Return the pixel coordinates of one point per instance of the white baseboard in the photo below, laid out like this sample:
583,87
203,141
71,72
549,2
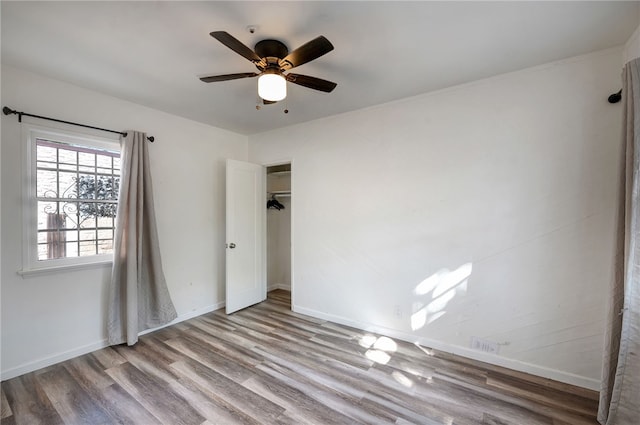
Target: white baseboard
556,375
274,286
88,348
51,360
187,316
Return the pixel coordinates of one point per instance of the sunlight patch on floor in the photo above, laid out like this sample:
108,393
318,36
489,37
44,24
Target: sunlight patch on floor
378,356
385,344
367,341
378,348
402,379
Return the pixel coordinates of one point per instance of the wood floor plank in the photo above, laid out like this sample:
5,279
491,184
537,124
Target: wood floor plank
488,419
155,395
29,403
279,325
5,410
269,365
221,388
228,347
108,357
431,401
212,320
523,376
340,402
72,403
352,358
525,403
123,408
296,402
544,395
90,376
246,321
222,364
315,366
167,333
149,359
286,310
216,410
88,372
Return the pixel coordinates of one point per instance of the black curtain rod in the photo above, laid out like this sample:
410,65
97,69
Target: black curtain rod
9,111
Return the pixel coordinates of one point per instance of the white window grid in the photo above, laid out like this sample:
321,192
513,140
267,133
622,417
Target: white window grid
60,168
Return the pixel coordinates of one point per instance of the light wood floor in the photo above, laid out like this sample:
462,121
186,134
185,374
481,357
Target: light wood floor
267,365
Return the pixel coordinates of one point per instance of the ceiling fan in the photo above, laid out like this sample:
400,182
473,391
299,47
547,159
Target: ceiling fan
273,59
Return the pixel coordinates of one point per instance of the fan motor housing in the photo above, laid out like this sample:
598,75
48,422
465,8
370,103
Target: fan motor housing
271,48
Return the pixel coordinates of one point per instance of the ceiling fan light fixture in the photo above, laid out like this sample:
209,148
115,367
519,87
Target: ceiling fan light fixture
272,85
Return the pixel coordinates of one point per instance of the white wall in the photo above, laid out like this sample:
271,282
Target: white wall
631,48
56,316
279,246
482,210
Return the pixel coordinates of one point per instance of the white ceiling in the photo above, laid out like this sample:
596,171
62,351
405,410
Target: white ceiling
152,53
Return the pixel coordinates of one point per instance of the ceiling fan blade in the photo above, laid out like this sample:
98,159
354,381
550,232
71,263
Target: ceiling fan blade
235,45
227,77
312,82
308,52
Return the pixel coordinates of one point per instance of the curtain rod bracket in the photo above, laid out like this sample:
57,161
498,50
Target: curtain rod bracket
8,111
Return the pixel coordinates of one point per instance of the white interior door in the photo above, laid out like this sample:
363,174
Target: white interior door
246,235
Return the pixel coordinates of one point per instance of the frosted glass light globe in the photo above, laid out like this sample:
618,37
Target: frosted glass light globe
272,87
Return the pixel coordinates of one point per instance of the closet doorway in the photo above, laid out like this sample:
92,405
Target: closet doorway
279,254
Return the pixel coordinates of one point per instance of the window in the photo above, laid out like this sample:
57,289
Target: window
72,199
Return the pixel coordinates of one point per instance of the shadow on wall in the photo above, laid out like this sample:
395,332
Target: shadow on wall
435,292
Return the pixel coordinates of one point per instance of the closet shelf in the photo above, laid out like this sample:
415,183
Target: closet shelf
280,193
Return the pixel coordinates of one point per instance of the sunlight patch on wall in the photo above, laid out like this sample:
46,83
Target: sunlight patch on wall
442,287
443,280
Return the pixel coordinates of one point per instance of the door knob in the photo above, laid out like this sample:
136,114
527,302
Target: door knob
232,245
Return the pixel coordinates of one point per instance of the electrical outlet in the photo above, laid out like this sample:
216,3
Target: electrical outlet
397,311
484,345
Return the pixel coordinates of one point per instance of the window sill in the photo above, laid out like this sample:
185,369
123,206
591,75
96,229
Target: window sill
65,268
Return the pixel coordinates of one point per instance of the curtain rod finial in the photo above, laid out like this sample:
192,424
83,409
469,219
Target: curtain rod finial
615,98
7,111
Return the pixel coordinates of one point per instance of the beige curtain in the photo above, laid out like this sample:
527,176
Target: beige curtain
620,392
138,294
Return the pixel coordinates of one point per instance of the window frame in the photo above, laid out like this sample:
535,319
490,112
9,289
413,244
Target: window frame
30,262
